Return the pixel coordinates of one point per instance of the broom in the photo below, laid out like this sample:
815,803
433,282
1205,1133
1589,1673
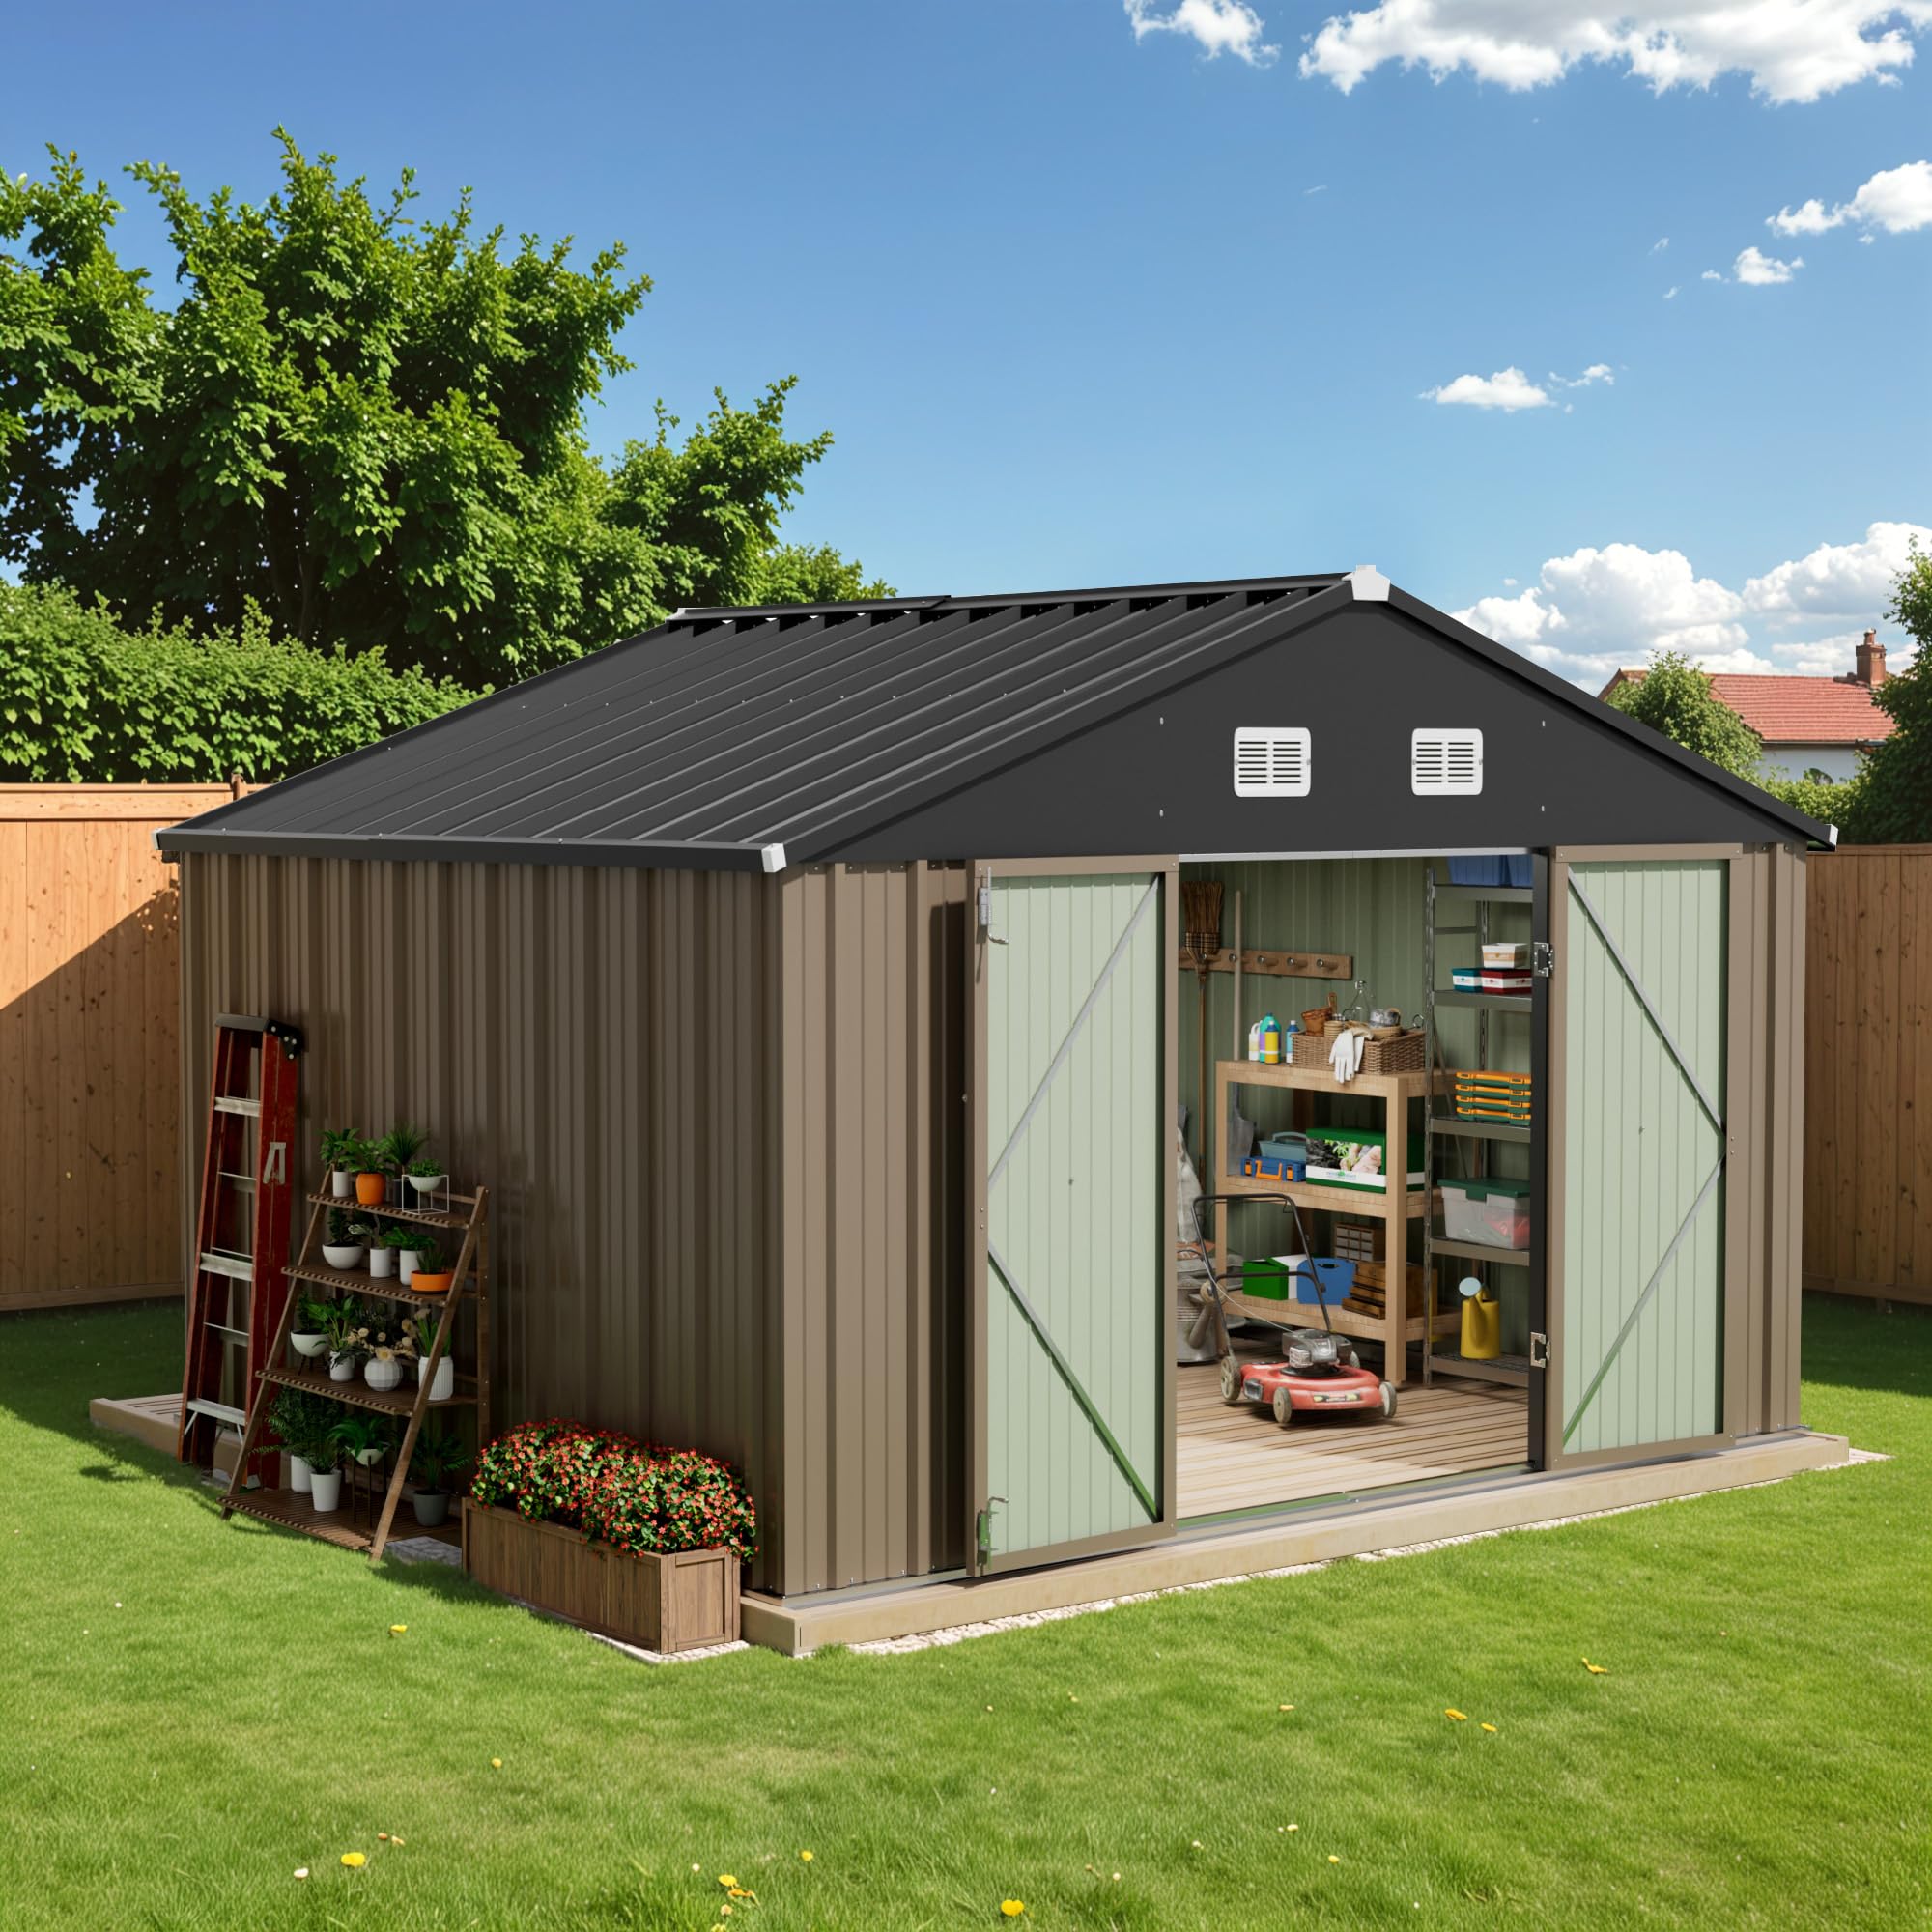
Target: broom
1200,916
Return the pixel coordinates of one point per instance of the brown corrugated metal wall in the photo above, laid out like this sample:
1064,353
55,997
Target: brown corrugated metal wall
872,1089
592,1044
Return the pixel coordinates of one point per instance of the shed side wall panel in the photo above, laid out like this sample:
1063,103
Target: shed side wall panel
594,1044
873,1046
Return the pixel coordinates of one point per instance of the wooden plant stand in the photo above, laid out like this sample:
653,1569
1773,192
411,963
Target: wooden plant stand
469,1278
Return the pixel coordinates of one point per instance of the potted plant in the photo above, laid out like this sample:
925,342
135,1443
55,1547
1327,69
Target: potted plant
383,1367
309,1334
426,1177
337,1145
387,1244
372,1184
324,1461
399,1147
343,1240
341,1328
430,1274
418,1343
437,1457
367,1438
302,1420
410,1246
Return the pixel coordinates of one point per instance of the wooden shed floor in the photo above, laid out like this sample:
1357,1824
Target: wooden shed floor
1238,1459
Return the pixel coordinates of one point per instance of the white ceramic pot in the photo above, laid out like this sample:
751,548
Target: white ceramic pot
382,1263
429,1183
342,1183
381,1374
432,1507
342,1367
445,1385
307,1344
408,1263
345,1258
369,1458
325,1490
299,1476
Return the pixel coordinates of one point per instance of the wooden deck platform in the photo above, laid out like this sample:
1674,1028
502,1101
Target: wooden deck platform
1240,1458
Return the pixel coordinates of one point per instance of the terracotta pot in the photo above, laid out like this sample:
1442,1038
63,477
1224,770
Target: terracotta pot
370,1188
431,1284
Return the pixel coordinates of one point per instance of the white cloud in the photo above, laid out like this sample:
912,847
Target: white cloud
1319,187
1508,389
1596,609
1597,372
1897,200
1712,275
1662,243
1792,49
1670,294
1757,269
1217,26
1838,580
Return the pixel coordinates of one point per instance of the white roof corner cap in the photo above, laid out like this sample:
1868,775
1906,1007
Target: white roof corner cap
1368,584
774,856
155,835
1832,843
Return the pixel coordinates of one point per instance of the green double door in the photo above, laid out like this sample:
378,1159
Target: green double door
1635,1334
1070,1205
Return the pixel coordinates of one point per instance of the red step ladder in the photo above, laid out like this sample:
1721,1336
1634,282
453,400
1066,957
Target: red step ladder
241,1232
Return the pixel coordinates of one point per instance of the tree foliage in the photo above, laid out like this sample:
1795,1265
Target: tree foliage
1896,778
1675,698
369,425
83,701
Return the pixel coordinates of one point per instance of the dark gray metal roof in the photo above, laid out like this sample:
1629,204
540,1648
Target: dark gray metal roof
753,738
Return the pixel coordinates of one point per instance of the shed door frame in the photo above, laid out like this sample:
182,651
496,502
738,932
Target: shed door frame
1166,872
1738,1131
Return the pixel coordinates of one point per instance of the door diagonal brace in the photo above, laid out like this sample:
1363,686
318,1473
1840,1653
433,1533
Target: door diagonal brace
1088,1406
1643,1301
1656,1018
1080,1019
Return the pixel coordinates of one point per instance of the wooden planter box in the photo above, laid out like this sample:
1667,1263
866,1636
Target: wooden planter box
682,1602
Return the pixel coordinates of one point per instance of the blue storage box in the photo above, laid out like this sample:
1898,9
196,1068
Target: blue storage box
1269,1167
1284,1147
1514,869
1337,1279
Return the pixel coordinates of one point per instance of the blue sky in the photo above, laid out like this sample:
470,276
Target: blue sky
1085,304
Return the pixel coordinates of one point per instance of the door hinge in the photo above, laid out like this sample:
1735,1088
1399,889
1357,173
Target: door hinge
1539,1351
986,914
1542,958
983,1528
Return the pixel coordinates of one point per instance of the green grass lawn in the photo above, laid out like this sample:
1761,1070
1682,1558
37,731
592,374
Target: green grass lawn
190,1710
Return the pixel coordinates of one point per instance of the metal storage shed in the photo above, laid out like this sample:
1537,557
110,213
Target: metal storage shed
805,982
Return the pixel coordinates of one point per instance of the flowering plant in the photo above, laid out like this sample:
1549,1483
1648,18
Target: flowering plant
633,1496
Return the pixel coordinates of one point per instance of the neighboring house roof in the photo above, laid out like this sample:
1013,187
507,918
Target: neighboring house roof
749,738
1793,710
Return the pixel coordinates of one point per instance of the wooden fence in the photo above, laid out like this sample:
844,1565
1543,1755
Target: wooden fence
1868,1073
89,1063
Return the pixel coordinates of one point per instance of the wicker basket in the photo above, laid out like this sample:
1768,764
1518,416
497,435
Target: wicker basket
1399,1053
1315,1021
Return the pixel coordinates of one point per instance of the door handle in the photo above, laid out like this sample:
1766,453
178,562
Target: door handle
1539,1360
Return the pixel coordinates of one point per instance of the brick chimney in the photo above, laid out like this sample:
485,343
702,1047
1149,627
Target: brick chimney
1870,661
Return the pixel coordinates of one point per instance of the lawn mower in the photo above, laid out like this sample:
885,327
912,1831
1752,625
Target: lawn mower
1319,1373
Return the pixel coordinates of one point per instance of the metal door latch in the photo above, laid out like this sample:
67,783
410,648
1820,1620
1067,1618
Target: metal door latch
983,1528
986,914
1542,958
1539,1351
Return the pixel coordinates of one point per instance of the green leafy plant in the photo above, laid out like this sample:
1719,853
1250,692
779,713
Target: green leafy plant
437,1457
345,1229
398,1239
424,1168
357,1434
399,1147
362,1156
305,1421
342,1323
335,1144
430,1258
312,1315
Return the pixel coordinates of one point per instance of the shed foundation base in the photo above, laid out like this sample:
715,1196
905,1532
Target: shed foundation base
1476,1507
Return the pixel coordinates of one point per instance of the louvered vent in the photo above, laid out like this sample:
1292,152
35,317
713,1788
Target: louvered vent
1444,764
1271,763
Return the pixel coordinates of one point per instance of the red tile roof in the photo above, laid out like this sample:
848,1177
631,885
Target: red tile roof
1804,710
1793,710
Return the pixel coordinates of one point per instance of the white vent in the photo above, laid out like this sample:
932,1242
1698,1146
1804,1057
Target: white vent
1271,763
1444,764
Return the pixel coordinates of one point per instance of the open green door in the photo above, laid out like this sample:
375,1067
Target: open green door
1071,1186
1635,1259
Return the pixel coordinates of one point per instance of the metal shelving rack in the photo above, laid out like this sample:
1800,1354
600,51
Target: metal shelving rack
1511,1369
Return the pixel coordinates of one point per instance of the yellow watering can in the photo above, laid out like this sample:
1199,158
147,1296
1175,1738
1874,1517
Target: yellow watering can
1482,1322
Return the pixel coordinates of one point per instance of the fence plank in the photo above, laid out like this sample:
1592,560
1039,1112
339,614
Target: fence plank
90,1120
1868,1073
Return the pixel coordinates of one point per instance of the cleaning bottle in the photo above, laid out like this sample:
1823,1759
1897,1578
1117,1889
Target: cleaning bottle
1255,1040
1271,1040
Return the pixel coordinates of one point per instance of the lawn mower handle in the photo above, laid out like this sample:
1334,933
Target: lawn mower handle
1215,1300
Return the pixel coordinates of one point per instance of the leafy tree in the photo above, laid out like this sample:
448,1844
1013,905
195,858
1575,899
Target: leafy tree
1895,777
83,701
816,574
370,426
1675,698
